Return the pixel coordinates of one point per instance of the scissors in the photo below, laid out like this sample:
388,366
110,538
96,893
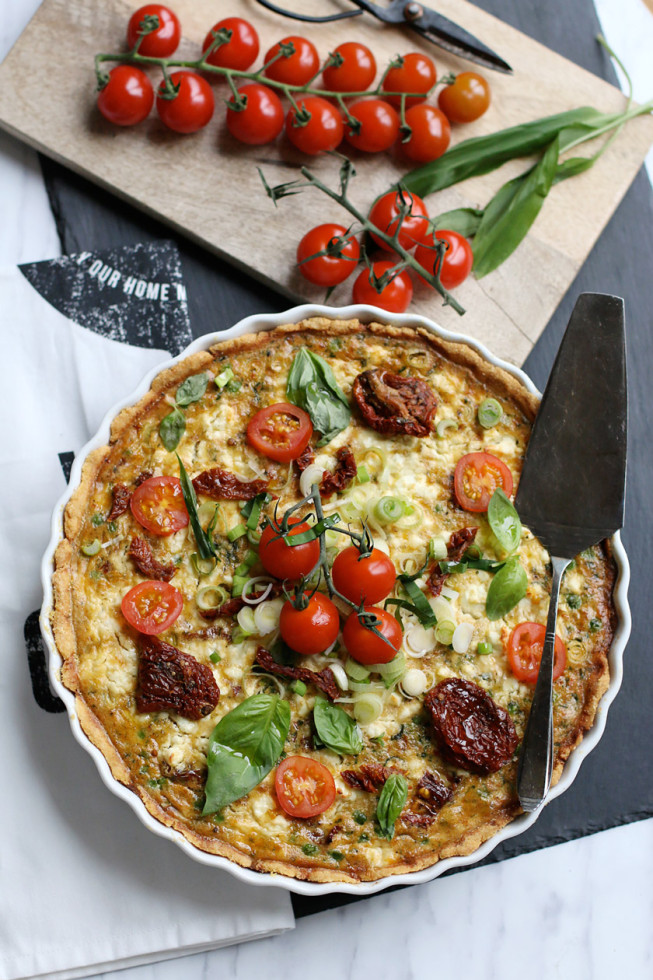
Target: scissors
424,21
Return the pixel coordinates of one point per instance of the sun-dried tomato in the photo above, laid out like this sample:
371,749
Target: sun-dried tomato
343,474
369,778
322,679
169,680
222,485
475,732
143,477
305,458
143,557
394,404
459,542
121,496
430,796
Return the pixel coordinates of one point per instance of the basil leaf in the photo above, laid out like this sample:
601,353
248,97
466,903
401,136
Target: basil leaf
391,802
504,521
205,545
192,389
312,386
336,729
171,429
243,747
506,589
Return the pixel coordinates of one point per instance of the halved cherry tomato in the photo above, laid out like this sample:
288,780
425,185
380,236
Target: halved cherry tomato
416,74
379,125
261,120
127,97
430,133
158,505
304,786
191,108
327,270
384,215
323,131
241,51
310,630
457,260
367,579
395,297
298,68
357,71
281,431
152,607
160,43
288,561
525,646
466,99
365,646
476,478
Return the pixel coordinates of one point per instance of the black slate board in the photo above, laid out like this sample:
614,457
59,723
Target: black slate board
614,785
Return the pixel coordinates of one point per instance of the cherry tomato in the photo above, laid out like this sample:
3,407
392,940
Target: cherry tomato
323,131
192,107
240,52
395,297
366,647
457,261
476,477
525,646
310,630
430,133
160,43
288,561
152,607
367,579
158,505
127,97
356,72
466,99
416,74
379,125
299,67
304,786
384,215
280,431
327,270
261,120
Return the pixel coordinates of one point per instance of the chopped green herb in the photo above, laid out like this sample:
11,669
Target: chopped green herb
112,527
337,855
233,386
595,624
334,344
299,688
574,601
215,657
224,377
141,733
364,837
359,817
309,849
96,520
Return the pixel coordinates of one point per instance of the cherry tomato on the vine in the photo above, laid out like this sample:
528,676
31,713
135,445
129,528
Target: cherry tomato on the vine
430,133
357,71
364,645
288,561
327,270
415,74
476,477
280,431
261,120
297,68
127,97
368,579
158,505
384,214
163,41
457,261
395,297
379,125
241,51
192,106
322,132
152,607
525,646
466,99
304,787
312,629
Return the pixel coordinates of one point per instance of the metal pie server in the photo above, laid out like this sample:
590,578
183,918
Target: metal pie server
572,487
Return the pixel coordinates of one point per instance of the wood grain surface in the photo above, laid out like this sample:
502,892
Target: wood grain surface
207,186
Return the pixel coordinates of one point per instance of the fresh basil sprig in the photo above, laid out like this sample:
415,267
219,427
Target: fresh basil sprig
192,389
171,429
205,546
336,729
506,589
243,748
392,800
504,521
312,386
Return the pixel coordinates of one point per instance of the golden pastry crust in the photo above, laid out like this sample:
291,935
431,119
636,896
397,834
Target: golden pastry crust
160,757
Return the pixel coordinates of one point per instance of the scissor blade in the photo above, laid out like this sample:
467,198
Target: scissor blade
457,40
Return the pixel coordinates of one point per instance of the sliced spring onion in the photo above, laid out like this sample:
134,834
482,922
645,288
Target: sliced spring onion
266,616
441,607
367,708
438,549
362,474
392,671
443,425
246,620
462,637
338,672
484,648
444,632
375,460
419,640
312,474
363,685
202,566
449,593
237,585
413,518
356,671
239,531
489,412
91,549
250,586
224,377
211,597
254,537
251,510
298,687
382,545
414,682
238,635
388,510
350,511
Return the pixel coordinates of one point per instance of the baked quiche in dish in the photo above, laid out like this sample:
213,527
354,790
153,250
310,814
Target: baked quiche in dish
297,609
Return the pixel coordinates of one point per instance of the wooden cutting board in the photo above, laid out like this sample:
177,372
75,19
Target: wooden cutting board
207,185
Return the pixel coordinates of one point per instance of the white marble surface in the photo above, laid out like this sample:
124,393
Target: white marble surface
581,910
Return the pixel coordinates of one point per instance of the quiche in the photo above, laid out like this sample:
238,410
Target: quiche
298,611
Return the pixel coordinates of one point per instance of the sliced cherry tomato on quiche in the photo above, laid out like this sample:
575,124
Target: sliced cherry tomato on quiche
288,561
312,629
158,505
476,478
525,646
368,579
304,786
364,645
152,607
280,431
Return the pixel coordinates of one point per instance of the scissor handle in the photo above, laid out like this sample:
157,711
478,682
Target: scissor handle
343,15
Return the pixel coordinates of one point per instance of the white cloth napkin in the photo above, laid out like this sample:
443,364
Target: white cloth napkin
83,885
